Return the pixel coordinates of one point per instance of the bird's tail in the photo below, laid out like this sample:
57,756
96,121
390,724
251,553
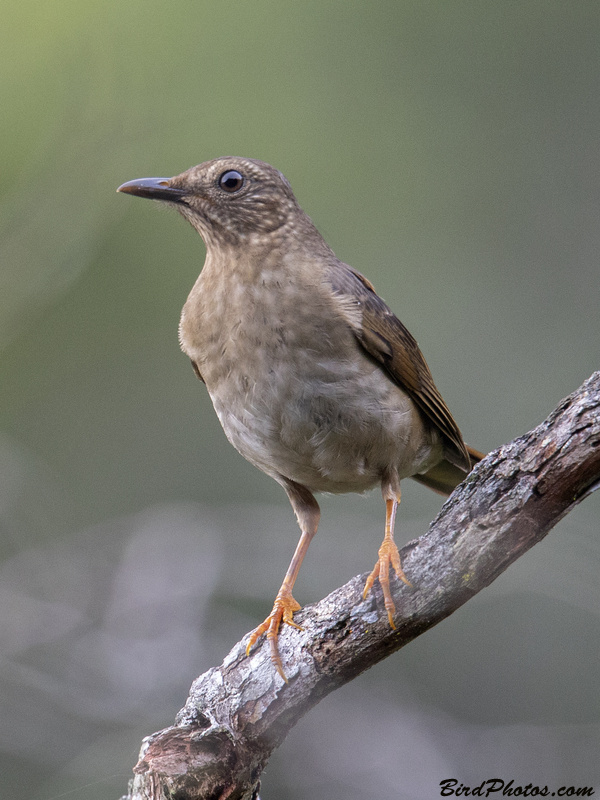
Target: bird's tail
445,477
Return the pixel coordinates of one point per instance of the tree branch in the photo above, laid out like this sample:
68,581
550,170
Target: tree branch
238,713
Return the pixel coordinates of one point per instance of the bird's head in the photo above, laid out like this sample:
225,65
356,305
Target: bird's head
228,200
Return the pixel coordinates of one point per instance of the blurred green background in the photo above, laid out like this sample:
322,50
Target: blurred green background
448,150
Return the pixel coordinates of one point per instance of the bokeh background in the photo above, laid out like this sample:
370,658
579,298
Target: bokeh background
450,151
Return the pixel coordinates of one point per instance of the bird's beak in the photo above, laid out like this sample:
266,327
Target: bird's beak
153,189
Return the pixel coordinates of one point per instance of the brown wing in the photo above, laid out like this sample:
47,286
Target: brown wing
386,339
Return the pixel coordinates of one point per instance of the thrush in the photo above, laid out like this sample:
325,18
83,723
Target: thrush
314,380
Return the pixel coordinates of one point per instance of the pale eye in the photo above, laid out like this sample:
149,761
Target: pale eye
231,181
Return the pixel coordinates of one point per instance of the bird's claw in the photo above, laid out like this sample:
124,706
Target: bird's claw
388,557
283,611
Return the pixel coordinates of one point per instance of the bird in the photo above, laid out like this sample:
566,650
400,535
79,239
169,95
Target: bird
314,379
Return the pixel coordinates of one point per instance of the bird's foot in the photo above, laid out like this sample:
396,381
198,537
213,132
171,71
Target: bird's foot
388,557
283,611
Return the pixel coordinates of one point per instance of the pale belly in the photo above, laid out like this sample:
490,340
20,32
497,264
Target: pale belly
294,391
330,426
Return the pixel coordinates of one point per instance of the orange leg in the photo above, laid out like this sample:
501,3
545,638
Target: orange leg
307,512
388,556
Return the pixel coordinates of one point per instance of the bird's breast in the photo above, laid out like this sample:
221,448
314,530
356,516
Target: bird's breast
295,393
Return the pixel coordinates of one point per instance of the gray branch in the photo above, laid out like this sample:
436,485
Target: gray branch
238,713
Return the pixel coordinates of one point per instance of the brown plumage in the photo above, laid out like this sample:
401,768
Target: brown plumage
314,379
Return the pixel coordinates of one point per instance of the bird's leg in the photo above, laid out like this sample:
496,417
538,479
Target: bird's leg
388,553
307,513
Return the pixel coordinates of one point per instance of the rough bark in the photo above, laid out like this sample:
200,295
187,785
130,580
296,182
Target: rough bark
238,713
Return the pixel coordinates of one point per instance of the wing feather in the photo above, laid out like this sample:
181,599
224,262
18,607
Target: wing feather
389,342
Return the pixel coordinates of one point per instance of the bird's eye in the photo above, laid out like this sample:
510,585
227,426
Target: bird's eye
231,181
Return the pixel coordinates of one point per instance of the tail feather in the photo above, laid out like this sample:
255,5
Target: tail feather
445,477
